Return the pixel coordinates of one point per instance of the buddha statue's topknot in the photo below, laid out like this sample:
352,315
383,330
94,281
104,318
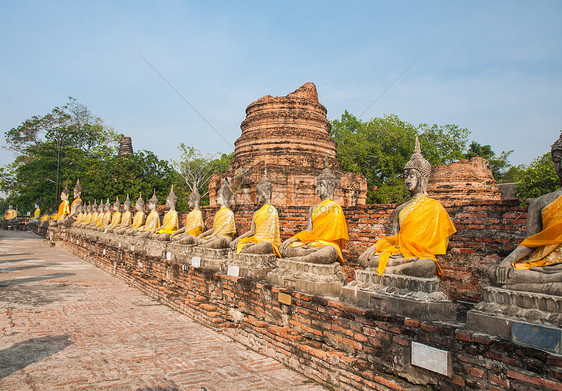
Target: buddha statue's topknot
140,201
419,163
78,187
265,184
127,202
153,199
172,196
66,191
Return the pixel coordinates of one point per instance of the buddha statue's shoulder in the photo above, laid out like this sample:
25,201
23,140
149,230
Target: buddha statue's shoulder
545,200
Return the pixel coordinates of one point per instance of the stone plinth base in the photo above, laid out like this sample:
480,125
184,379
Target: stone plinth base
181,253
310,278
500,307
155,248
414,297
209,258
254,266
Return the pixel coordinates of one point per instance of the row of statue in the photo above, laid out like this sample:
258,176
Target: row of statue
421,228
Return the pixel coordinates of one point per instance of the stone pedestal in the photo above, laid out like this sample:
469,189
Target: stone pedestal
254,266
414,297
181,253
209,258
310,278
155,248
500,308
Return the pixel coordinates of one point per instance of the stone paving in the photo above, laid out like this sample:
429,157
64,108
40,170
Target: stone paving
66,325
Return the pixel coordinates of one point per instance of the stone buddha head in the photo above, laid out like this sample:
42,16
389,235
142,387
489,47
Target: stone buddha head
264,190
224,194
326,185
139,204
116,205
64,194
77,189
100,206
153,202
127,204
194,199
107,207
556,153
417,172
171,199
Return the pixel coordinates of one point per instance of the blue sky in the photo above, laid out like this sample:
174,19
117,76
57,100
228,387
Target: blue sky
494,67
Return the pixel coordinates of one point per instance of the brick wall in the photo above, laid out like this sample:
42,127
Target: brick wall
340,346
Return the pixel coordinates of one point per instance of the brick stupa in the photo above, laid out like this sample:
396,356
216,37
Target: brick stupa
465,180
290,136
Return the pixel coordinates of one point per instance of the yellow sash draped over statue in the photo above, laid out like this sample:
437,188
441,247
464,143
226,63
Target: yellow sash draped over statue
64,209
104,221
152,222
328,228
194,223
223,224
138,220
115,220
266,220
125,219
37,213
73,205
11,214
169,223
548,242
79,218
425,227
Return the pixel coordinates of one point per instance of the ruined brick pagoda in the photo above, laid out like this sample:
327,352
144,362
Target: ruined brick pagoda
290,135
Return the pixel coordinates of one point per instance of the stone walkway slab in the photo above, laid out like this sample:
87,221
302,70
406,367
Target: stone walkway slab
66,325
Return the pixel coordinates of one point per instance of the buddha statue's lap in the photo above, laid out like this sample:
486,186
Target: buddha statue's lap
421,228
536,264
170,221
326,233
193,221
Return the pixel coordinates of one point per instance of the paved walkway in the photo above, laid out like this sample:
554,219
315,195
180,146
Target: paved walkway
66,325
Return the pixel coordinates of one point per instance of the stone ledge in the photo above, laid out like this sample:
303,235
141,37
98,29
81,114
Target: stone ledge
254,266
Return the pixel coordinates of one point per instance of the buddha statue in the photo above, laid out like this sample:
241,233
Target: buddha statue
536,264
224,228
115,217
77,201
80,216
138,220
64,207
193,221
96,216
170,221
326,233
263,236
152,221
37,212
10,213
420,229
92,215
105,217
126,218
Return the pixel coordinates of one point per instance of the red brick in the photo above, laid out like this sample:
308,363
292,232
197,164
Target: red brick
411,323
476,372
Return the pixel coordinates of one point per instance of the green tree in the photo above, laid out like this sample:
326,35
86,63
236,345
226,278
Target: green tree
381,147
498,164
538,178
196,169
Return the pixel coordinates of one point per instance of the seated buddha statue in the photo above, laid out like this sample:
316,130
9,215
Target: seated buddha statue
37,212
170,220
138,220
91,216
193,221
105,217
421,228
263,236
126,218
96,216
326,233
152,221
536,264
115,217
80,216
75,206
64,206
224,228
10,213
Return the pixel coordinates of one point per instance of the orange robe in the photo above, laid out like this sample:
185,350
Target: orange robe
266,220
328,228
64,209
548,242
425,227
194,223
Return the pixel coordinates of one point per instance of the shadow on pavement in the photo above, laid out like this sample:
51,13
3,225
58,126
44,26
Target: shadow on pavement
28,352
25,280
17,268
13,255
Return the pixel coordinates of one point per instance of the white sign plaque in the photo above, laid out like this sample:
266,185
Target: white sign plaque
196,261
168,255
104,251
432,359
233,271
